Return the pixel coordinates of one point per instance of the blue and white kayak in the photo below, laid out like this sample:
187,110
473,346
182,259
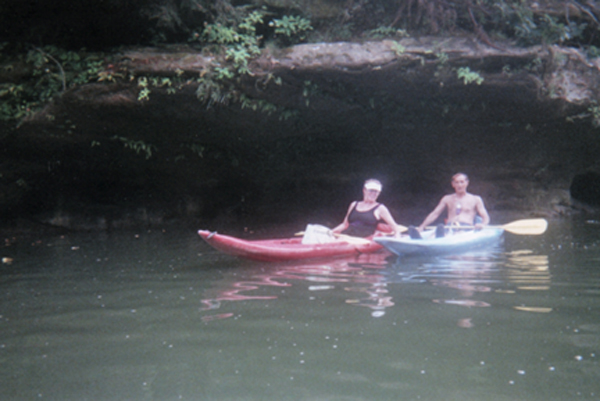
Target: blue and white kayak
459,241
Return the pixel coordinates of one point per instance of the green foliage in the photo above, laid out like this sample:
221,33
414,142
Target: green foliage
469,76
257,105
53,71
145,91
138,146
266,107
398,48
211,91
593,52
442,70
387,32
239,45
242,33
310,89
241,55
541,22
250,22
547,29
22,183
287,114
217,33
536,65
519,18
145,83
593,114
222,74
442,58
240,42
594,111
196,148
293,27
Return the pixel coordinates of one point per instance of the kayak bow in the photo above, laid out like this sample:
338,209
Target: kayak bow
284,249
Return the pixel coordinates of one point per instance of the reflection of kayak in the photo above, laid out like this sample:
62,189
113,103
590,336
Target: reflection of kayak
273,250
458,242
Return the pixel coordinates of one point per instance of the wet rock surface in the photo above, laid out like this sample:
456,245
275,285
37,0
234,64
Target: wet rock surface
360,110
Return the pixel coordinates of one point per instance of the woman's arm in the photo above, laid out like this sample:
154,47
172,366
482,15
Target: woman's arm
344,225
382,213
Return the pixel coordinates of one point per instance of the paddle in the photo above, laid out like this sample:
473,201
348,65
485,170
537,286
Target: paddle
348,238
352,240
519,227
402,229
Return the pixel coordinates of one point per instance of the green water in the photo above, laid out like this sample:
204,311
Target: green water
158,315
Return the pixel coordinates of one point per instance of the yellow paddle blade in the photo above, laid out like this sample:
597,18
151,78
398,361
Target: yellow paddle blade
527,227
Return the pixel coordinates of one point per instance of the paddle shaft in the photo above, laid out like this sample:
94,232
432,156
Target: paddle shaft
519,227
344,237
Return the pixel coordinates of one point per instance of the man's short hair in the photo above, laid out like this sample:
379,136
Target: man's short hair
459,173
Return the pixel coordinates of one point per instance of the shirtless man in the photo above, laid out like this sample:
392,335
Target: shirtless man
462,208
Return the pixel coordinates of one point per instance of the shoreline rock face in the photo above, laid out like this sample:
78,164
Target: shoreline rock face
306,127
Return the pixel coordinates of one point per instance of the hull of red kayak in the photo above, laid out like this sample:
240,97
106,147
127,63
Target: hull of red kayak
284,249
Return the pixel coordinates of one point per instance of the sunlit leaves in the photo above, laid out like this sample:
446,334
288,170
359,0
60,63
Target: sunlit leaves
469,76
291,26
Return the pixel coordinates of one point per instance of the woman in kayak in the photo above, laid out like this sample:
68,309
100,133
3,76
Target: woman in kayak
366,217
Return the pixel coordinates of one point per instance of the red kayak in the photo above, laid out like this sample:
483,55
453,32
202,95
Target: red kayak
277,250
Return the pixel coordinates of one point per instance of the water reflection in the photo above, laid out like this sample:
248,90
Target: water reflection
473,275
362,274
528,270
123,313
368,278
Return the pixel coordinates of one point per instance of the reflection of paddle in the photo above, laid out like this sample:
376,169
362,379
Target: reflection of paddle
519,227
348,238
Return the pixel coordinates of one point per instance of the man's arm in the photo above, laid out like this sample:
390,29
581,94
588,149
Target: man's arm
434,214
485,217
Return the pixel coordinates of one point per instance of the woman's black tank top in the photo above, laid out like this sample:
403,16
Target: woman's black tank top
362,224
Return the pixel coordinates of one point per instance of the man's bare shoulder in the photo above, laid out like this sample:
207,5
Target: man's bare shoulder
474,198
447,198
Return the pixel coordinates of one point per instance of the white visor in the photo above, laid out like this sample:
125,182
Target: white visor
373,185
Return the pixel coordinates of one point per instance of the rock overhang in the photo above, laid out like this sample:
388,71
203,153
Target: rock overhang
405,96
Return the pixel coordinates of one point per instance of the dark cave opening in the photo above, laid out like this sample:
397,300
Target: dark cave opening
586,188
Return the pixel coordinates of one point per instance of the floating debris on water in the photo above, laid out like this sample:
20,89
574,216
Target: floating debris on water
210,318
463,302
320,287
534,288
536,309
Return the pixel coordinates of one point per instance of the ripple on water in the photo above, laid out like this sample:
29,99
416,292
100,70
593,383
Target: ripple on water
585,340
